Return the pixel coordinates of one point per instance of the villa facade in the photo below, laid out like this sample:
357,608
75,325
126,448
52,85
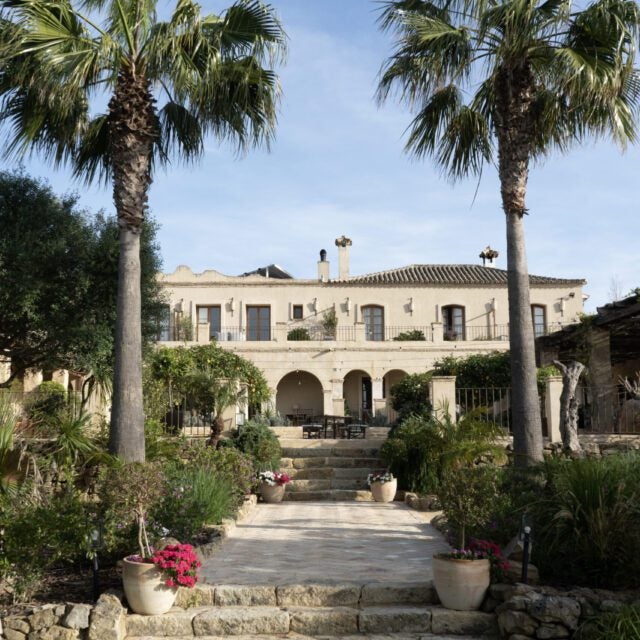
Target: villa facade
332,345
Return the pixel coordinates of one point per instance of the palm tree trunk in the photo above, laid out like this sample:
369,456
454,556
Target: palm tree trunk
127,418
514,92
132,129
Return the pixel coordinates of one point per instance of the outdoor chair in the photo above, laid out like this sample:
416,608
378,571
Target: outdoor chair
356,430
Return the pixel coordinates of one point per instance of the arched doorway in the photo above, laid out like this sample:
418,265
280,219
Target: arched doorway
356,391
390,378
299,396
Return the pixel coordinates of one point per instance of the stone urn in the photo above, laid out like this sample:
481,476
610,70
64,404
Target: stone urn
384,491
461,584
145,588
272,493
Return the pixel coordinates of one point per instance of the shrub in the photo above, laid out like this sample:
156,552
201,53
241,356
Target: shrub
46,401
261,444
194,497
299,333
420,450
228,463
410,396
40,534
406,336
615,625
588,522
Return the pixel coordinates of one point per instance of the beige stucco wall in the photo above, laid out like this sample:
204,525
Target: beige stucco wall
406,307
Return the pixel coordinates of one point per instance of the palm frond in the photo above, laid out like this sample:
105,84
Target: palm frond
180,130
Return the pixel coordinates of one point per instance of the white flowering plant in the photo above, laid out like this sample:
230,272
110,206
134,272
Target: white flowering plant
273,478
381,477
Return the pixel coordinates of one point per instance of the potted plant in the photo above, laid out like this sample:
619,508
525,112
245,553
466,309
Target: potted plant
383,486
462,576
150,577
329,324
272,485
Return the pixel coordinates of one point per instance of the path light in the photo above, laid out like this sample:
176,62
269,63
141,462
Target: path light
95,544
525,537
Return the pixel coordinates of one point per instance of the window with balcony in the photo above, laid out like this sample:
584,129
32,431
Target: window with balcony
258,322
210,314
163,324
373,317
539,317
453,322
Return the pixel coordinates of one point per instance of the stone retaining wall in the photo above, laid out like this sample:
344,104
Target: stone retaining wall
103,621
546,613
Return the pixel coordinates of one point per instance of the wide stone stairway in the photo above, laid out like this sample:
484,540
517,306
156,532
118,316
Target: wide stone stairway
329,469
326,564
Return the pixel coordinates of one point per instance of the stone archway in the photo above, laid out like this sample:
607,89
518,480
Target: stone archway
357,394
299,396
390,378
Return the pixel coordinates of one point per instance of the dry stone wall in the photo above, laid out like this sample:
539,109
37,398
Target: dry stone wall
544,613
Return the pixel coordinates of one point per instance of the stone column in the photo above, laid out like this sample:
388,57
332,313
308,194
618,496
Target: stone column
553,390
379,404
327,401
442,391
337,407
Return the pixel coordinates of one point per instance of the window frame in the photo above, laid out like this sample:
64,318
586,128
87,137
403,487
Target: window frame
259,337
294,309
539,307
450,329
368,317
213,331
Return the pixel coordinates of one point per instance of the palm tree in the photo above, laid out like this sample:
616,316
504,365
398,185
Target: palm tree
510,80
169,84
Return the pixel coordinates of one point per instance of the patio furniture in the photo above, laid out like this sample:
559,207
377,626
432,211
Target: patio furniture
312,431
356,430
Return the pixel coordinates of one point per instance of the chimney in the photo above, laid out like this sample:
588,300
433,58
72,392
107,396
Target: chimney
323,267
488,256
343,243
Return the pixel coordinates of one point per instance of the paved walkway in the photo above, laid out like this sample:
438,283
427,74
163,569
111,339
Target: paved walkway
327,542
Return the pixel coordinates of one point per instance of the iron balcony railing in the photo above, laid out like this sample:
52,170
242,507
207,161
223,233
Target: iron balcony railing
350,333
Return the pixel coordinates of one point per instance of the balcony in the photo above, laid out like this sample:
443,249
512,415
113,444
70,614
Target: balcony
361,333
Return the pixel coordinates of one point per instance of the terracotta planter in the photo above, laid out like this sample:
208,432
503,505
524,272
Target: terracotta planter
384,491
145,588
461,584
272,494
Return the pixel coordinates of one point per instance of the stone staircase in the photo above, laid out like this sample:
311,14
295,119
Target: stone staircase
329,469
389,611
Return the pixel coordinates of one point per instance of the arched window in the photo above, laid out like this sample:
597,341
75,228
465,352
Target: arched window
373,317
539,317
453,322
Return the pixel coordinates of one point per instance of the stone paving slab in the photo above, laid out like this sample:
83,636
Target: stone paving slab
327,543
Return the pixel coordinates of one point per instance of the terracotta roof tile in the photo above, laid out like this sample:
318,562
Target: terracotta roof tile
462,274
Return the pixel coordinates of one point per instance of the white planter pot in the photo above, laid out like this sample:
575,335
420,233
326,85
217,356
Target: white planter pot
461,584
384,491
272,494
145,588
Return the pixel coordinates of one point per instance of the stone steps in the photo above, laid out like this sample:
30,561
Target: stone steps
334,463
324,484
220,622
330,495
397,610
322,451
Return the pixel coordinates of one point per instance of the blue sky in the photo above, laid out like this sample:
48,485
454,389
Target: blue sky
337,167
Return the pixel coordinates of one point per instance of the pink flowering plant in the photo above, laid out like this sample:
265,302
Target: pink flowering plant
273,478
499,564
179,565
